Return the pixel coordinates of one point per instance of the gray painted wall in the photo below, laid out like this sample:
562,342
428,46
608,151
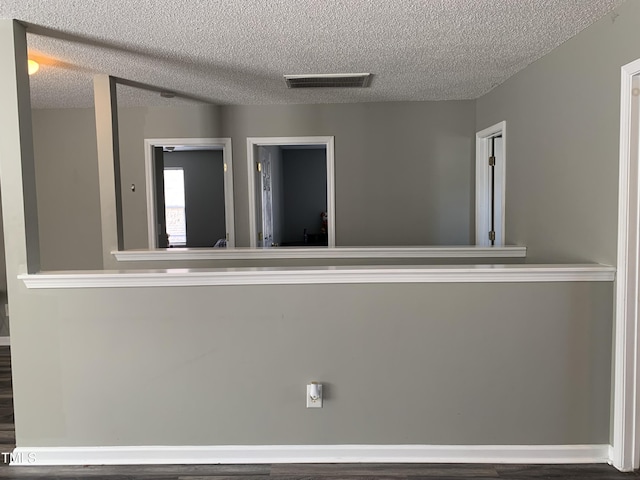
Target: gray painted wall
67,176
401,364
204,194
68,195
305,192
563,116
135,125
420,153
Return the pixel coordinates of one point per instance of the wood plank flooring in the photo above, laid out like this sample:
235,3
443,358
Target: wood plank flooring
7,428
281,471
322,472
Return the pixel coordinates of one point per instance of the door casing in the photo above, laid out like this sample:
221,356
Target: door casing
252,155
483,186
204,143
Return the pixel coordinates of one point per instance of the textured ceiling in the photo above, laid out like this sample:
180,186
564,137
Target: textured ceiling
236,51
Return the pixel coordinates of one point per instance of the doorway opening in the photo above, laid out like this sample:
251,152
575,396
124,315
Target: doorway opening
189,193
291,190
490,185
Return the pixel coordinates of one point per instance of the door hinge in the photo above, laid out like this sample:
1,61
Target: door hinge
259,166
492,161
226,237
492,235
260,236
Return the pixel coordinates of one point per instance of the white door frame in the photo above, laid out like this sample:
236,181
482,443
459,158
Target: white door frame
224,144
328,142
625,454
483,191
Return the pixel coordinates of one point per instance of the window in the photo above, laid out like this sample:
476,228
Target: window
175,214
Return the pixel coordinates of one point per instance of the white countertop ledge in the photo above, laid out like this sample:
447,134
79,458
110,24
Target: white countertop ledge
240,253
320,275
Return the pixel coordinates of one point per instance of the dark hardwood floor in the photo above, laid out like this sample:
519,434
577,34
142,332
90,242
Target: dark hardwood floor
281,471
7,429
322,472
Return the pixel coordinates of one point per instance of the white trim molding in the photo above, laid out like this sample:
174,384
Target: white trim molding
227,157
483,191
328,142
23,457
182,277
5,341
318,253
626,427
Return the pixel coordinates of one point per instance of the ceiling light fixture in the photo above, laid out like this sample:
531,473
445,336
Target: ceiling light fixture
33,66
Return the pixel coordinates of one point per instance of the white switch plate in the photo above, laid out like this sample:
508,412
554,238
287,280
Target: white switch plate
314,403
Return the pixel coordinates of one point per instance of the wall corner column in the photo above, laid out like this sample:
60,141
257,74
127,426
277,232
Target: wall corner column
106,108
17,166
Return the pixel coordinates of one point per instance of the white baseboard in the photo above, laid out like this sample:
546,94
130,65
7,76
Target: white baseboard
611,457
250,454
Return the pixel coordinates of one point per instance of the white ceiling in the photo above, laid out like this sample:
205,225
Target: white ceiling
236,51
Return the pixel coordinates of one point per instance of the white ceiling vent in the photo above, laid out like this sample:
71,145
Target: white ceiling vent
330,80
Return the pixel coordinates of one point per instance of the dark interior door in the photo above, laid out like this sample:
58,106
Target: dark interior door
162,239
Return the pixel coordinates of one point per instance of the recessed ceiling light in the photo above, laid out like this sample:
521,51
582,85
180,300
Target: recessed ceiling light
33,66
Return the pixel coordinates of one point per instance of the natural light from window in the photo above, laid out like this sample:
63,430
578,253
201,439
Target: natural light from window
176,218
